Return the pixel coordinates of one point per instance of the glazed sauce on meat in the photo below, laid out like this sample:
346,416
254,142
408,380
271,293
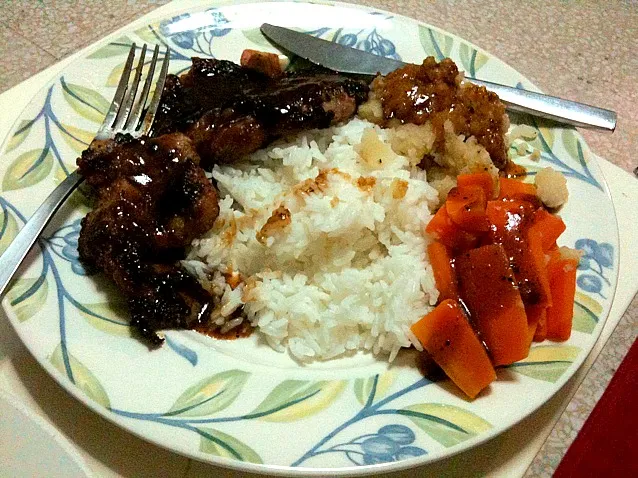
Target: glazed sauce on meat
154,198
432,91
230,111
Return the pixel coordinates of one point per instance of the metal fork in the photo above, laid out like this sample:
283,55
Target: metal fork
128,113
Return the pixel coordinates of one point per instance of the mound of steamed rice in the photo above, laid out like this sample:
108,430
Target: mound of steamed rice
320,240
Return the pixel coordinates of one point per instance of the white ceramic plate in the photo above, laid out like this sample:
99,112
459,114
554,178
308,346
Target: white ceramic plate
30,447
239,403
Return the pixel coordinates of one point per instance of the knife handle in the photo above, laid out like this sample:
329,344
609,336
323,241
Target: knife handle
551,107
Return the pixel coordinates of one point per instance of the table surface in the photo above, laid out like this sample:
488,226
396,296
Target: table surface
577,50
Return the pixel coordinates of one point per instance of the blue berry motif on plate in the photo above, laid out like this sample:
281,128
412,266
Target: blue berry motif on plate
369,40
596,258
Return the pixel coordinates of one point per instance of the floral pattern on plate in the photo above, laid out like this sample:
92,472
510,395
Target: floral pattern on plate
214,403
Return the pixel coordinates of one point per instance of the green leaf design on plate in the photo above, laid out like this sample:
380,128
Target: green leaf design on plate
8,229
146,34
546,362
80,201
254,35
221,444
589,302
471,59
83,378
121,46
114,77
447,424
363,387
28,296
210,395
570,142
545,139
77,138
28,169
295,399
434,43
20,135
107,317
86,102
584,319
586,312
59,174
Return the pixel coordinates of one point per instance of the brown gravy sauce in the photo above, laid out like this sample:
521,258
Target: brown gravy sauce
241,331
513,170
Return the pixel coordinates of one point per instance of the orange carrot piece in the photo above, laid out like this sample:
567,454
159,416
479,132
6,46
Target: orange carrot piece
443,270
549,226
444,230
537,268
488,288
448,337
466,208
562,281
483,180
266,63
512,188
540,333
510,225
536,321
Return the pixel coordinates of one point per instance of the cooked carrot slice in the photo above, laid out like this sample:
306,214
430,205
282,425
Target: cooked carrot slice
511,226
266,63
536,315
444,230
536,269
540,333
512,188
562,281
488,288
549,226
449,338
443,269
483,180
466,208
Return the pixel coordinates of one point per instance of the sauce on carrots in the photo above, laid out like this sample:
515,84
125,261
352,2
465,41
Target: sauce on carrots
510,285
513,170
511,222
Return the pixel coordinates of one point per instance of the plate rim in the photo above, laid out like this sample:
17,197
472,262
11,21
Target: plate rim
286,470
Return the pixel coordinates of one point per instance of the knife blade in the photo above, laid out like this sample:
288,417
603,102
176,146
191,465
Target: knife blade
350,60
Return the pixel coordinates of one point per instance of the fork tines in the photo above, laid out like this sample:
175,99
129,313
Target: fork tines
129,111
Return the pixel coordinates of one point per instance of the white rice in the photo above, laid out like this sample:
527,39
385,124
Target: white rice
349,271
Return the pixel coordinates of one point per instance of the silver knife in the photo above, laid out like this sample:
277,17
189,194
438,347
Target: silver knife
349,60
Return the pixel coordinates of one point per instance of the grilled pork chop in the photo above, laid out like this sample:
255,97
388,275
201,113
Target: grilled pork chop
230,111
153,197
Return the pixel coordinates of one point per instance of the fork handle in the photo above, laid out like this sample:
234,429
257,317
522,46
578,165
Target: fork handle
21,245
